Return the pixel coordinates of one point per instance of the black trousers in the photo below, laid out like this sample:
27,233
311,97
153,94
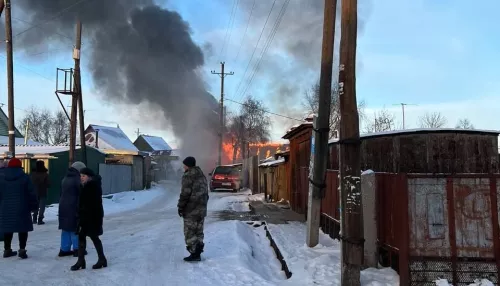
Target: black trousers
82,245
7,240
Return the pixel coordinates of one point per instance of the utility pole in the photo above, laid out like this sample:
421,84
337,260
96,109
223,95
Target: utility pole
351,218
403,108
221,112
321,124
10,77
138,133
78,86
75,94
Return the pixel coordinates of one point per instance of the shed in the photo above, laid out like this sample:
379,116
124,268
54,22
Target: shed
124,170
300,153
273,179
426,151
152,144
108,138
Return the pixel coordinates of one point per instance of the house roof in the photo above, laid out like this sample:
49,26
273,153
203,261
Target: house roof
156,143
4,126
112,138
423,131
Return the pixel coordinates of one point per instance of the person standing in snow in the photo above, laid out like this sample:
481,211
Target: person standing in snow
17,202
90,217
40,179
68,210
192,207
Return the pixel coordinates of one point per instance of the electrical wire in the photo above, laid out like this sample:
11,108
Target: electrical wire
231,29
255,48
227,29
267,45
246,29
57,15
31,24
265,111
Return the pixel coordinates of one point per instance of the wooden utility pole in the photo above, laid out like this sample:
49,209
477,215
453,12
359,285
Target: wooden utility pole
221,110
138,132
78,85
10,77
352,235
75,94
321,124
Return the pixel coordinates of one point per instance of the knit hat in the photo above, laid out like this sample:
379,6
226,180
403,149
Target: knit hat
78,165
87,171
189,162
15,163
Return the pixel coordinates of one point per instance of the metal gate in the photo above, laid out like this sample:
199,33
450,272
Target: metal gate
454,230
115,178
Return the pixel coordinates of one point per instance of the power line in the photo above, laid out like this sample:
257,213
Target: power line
246,29
33,25
268,44
265,111
255,48
227,29
231,28
31,70
57,15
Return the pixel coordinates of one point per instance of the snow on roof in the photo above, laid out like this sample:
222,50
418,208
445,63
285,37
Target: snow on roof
272,163
157,143
37,149
422,130
113,138
19,141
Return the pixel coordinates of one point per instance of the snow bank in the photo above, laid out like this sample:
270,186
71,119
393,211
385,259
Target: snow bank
237,202
117,203
319,265
238,246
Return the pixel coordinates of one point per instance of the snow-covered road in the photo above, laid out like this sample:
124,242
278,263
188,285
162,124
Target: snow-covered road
145,246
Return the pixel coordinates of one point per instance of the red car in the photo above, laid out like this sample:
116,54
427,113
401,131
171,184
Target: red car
226,178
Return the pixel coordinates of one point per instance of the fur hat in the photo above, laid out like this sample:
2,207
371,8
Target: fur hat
87,171
189,162
78,165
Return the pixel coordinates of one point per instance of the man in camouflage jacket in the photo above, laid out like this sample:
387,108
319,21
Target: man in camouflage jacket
192,206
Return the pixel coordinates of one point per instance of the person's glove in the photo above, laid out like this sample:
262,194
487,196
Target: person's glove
180,213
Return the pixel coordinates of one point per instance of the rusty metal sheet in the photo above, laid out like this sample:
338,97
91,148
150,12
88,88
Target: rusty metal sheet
428,217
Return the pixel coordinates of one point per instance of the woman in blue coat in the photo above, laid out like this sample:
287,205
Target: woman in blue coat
68,210
17,202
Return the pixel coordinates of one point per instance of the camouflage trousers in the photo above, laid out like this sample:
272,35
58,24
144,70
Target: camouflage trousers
193,234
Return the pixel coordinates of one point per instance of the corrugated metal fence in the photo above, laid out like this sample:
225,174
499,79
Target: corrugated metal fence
115,178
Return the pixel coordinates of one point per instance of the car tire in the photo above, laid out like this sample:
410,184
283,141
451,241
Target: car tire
235,190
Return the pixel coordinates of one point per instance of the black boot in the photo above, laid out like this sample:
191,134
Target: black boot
22,254
80,264
9,253
102,262
194,257
65,253
34,219
40,222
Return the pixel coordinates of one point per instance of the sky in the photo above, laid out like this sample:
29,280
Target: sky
436,56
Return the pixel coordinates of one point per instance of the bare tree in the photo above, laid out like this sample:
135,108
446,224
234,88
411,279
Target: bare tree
251,125
432,120
45,127
464,123
382,121
311,104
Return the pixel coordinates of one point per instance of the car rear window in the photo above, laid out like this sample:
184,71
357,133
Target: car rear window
226,170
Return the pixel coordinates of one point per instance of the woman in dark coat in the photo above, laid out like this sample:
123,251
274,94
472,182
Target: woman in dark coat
17,202
40,179
90,216
68,210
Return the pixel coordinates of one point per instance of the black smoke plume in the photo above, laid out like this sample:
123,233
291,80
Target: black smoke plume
137,52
